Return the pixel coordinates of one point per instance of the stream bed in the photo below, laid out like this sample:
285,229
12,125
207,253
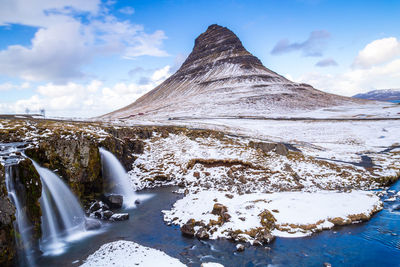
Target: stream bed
373,243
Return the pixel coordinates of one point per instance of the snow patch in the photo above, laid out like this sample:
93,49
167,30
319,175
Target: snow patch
127,253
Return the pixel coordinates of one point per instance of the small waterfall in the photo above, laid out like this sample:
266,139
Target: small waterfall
21,224
115,173
24,228
63,219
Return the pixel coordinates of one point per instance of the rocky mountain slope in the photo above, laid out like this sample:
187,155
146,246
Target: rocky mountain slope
221,78
382,95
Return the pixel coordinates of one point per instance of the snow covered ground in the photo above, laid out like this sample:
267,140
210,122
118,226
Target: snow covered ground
296,214
127,253
232,164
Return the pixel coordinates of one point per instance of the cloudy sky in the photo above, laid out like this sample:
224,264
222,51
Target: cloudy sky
86,58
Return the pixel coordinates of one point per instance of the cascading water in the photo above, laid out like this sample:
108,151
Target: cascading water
63,219
115,173
21,224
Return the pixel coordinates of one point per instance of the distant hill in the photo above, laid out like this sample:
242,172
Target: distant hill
392,95
221,78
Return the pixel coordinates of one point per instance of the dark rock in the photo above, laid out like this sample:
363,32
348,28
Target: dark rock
256,243
188,228
91,224
281,149
97,214
114,201
119,217
202,234
137,201
265,237
103,206
219,209
229,196
226,217
7,211
95,206
107,214
196,175
162,177
239,248
278,148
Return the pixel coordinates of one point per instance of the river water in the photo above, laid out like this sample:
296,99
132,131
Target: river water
373,243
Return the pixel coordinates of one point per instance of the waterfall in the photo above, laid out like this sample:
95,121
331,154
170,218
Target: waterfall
63,219
115,173
21,224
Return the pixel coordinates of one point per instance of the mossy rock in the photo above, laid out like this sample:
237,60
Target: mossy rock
267,220
30,179
7,217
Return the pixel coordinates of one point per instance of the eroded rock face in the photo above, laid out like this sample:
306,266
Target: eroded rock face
7,245
278,148
76,158
77,162
29,190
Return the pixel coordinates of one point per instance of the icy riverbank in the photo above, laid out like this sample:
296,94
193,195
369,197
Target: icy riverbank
284,214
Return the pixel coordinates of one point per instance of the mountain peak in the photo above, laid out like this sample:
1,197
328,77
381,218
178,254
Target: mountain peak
217,36
218,45
221,78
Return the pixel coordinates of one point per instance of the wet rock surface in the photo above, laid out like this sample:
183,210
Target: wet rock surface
114,201
188,228
119,217
104,211
239,248
7,211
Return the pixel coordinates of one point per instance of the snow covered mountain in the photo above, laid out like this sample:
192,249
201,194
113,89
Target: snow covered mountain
221,78
382,95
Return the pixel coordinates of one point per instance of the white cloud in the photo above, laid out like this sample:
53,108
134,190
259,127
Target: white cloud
85,100
380,70
63,43
44,13
127,10
10,86
355,81
377,52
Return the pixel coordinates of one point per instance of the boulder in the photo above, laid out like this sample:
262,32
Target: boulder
239,247
97,214
188,228
219,209
107,214
119,217
267,220
114,201
202,234
265,237
137,202
281,149
94,207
